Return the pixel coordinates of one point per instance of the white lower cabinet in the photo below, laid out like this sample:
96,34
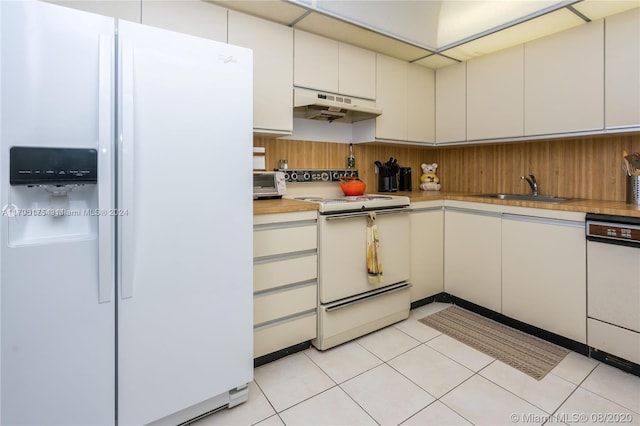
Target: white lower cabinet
285,280
427,249
528,264
544,273
472,255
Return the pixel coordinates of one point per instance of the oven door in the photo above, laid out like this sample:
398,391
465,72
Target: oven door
343,252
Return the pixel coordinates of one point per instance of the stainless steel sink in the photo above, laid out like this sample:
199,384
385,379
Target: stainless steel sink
523,197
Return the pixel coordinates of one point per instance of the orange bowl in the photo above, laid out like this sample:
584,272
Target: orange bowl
353,187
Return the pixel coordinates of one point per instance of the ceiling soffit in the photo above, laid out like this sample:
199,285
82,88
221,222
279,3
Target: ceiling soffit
431,33
328,27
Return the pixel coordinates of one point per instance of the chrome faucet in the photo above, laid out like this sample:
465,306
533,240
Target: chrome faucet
531,180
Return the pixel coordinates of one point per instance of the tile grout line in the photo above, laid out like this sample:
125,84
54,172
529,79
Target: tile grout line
339,385
578,386
551,416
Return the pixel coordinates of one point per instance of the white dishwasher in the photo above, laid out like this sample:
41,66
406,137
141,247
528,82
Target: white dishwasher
613,289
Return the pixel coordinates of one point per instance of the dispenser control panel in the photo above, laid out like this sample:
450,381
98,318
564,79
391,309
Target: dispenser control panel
52,166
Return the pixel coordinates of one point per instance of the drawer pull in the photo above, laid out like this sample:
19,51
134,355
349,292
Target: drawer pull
367,296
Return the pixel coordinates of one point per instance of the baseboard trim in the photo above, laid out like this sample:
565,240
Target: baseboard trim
265,359
440,297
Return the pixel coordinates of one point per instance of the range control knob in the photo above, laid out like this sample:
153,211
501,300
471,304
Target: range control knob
324,176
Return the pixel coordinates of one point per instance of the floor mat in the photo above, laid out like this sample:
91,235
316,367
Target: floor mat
529,354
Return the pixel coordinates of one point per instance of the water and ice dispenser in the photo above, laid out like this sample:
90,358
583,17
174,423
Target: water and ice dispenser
53,194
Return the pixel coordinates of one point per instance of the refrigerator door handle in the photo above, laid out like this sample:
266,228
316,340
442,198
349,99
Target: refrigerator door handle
127,183
105,178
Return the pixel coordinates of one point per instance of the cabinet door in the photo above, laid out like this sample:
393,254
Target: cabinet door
451,103
472,256
563,84
427,252
391,96
421,114
197,18
357,72
622,69
315,62
544,274
272,46
495,98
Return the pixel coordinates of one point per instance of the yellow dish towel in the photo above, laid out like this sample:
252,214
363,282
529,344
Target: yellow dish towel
374,267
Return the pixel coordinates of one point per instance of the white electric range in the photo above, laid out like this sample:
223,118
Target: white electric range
349,304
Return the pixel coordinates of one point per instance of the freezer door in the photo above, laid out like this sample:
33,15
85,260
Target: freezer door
185,291
57,301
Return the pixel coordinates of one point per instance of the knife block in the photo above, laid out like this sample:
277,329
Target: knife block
387,183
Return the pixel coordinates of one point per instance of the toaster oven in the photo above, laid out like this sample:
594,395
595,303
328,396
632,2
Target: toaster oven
268,185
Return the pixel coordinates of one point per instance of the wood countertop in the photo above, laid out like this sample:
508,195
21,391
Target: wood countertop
619,208
282,205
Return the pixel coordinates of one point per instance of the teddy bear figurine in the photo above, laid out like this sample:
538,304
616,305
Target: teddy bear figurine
429,181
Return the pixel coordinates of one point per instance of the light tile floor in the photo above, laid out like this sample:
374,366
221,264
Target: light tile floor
411,374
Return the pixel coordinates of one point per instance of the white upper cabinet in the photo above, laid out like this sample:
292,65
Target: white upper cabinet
421,114
391,89
622,69
323,64
197,18
405,93
272,46
315,62
357,72
563,83
495,98
451,107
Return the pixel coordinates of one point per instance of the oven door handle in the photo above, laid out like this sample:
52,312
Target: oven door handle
366,213
367,296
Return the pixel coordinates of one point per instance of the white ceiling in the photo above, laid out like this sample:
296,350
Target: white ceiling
429,32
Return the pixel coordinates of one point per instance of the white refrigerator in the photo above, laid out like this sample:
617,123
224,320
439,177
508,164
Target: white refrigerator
126,226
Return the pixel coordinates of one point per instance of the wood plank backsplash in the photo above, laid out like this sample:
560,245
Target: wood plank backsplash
582,167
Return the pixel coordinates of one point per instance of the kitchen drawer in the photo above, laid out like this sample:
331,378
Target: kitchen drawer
614,340
283,334
267,275
354,320
276,239
276,304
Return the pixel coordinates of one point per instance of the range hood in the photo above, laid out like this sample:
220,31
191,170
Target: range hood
330,107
